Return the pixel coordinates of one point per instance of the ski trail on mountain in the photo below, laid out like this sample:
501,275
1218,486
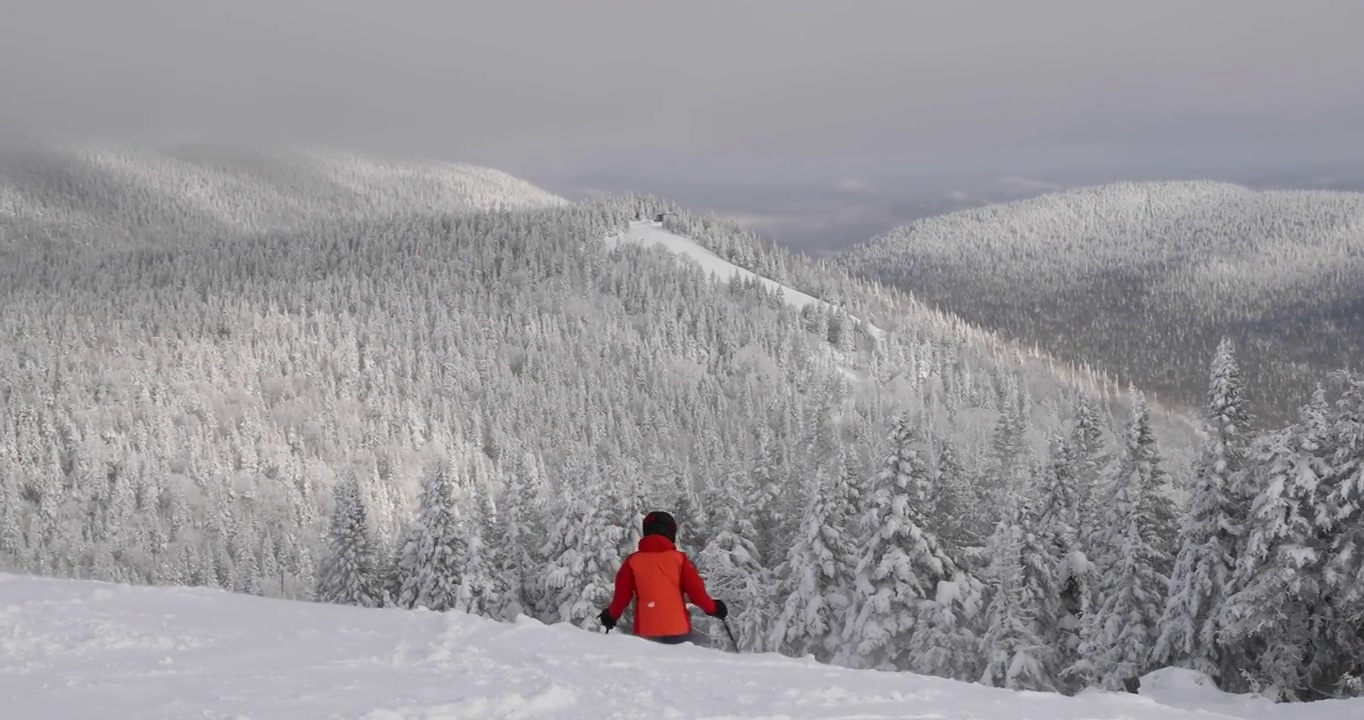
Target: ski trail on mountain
653,233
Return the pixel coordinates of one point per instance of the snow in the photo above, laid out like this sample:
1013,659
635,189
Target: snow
653,233
1187,689
69,648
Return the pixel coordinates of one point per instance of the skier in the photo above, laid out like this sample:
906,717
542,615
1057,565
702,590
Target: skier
659,574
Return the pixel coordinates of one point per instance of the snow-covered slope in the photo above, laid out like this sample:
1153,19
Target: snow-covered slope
653,233
1180,688
71,648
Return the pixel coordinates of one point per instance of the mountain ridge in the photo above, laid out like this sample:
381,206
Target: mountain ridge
1143,278
158,195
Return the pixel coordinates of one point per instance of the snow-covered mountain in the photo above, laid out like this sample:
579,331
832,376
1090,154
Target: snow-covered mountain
74,647
145,196
296,410
1143,279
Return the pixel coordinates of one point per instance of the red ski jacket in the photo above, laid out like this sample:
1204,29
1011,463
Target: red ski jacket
659,574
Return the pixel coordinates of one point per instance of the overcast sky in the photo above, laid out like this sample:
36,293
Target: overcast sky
704,88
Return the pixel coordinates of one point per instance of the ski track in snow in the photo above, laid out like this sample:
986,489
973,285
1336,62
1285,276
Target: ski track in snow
653,233
77,649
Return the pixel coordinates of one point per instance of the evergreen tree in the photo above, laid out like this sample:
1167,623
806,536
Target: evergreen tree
815,578
1058,530
1092,460
11,538
1190,627
582,549
1277,588
901,564
732,563
1297,592
480,591
1342,521
954,510
769,503
944,642
508,535
349,572
1017,646
433,555
1117,638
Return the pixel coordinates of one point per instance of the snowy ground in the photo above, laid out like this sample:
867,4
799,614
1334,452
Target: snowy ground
652,233
73,649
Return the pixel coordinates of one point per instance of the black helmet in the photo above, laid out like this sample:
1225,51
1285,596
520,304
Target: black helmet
660,523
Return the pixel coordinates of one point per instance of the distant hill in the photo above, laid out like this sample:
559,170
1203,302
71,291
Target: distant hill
819,218
142,196
1142,279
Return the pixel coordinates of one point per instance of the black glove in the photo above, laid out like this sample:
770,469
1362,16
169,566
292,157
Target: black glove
607,620
721,611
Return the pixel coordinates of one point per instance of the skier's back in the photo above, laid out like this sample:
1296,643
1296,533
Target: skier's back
659,574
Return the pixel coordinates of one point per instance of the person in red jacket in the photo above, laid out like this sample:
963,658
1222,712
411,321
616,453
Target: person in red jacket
656,577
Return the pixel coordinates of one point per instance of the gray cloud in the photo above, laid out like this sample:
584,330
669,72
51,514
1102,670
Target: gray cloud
754,88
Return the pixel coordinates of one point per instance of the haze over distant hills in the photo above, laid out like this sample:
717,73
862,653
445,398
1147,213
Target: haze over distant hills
815,218
145,196
825,218
1144,278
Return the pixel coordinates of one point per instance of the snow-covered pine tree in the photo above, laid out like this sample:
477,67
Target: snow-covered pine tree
945,642
1190,627
1058,528
480,592
815,580
1317,559
1008,450
1276,591
246,575
349,572
271,572
1017,646
1344,558
11,538
1092,461
902,569
510,535
771,505
731,562
626,506
525,497
1134,561
954,511
431,558
582,546
692,522
299,562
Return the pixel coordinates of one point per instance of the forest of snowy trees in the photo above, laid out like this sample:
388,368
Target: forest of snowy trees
1144,279
1089,573
473,411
